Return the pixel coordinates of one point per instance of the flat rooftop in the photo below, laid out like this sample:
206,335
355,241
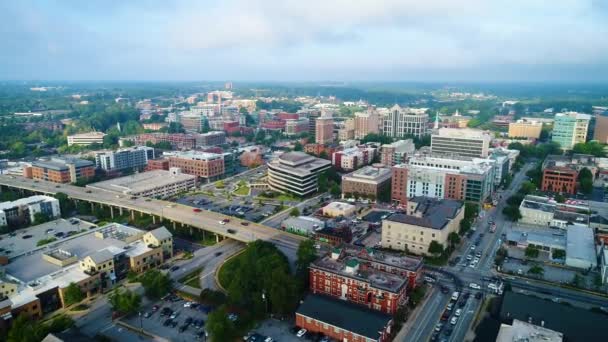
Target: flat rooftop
369,173
523,331
141,181
25,201
580,243
405,262
465,133
538,236
13,246
61,164
429,213
298,163
194,155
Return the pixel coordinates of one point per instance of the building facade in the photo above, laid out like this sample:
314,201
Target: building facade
559,179
156,184
84,139
367,182
61,170
353,158
570,128
397,152
126,158
324,130
295,127
211,138
462,142
401,122
207,166
178,141
366,123
23,211
525,129
600,133
296,173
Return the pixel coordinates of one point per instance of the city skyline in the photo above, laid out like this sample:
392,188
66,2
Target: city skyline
291,41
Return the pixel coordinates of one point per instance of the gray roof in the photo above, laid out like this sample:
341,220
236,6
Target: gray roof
101,256
161,233
435,214
61,164
580,244
355,318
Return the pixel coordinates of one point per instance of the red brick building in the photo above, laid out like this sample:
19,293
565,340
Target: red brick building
61,170
343,321
157,164
559,179
334,236
317,149
399,184
177,140
377,280
231,127
207,166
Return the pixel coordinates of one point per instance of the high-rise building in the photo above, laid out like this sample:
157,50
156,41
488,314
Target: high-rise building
324,130
365,123
296,173
464,142
353,158
570,128
397,152
402,122
296,126
525,129
126,158
211,138
601,128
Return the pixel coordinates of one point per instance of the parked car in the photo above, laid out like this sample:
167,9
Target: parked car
167,322
301,333
174,268
244,223
147,314
454,320
458,312
196,210
231,231
438,326
174,315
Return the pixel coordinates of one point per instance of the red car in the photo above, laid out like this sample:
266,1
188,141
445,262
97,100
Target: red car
225,220
196,210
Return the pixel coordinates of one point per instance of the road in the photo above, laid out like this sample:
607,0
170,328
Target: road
276,220
203,219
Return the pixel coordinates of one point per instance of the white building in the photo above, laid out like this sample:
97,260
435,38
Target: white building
544,211
24,210
125,158
401,122
463,142
296,172
86,138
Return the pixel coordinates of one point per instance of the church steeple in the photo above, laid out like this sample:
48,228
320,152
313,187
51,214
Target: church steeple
436,120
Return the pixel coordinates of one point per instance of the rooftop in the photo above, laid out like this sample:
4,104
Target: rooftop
351,317
61,164
578,116
142,181
298,163
194,155
369,173
580,243
339,206
88,135
466,133
428,212
521,331
25,201
538,236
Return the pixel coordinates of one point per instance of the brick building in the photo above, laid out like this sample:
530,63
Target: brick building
364,276
61,170
559,179
317,149
157,164
177,140
335,236
367,182
207,166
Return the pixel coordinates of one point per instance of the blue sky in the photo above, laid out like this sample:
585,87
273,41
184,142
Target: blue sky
291,40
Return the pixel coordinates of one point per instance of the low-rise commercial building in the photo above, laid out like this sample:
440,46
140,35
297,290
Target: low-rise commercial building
559,179
157,184
337,209
178,141
211,138
126,158
61,170
296,173
545,211
207,166
426,220
22,212
368,182
85,139
302,225
523,331
353,158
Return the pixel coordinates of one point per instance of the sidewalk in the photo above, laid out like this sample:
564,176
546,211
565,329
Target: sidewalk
405,329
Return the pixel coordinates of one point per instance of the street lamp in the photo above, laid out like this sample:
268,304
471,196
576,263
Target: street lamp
141,324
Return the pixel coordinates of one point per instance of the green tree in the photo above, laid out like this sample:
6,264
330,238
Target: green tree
536,270
294,212
298,147
219,327
72,294
306,254
323,155
380,138
23,329
559,198
65,204
125,302
454,239
531,252
155,283
471,210
558,254
577,280
527,188
335,190
585,178
512,212
40,218
283,293
435,248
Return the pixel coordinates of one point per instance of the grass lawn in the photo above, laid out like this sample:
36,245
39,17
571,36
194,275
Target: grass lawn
191,279
242,190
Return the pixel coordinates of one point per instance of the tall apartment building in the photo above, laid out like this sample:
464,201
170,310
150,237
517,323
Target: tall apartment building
401,122
61,170
312,123
353,158
464,142
207,166
126,158
601,128
366,123
296,173
368,182
296,126
324,130
397,152
525,129
192,123
425,220
211,138
570,129
22,212
467,179
86,138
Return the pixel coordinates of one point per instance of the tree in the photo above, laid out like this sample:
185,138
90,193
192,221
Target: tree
536,270
335,190
155,283
294,212
40,218
585,177
531,252
558,254
72,294
471,210
323,155
65,204
435,248
454,239
577,280
306,254
374,137
125,302
298,147
527,187
512,212
219,326
559,198
25,330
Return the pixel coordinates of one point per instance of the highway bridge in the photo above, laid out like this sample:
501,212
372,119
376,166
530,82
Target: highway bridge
183,215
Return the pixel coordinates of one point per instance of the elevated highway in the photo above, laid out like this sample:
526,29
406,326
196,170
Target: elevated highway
237,229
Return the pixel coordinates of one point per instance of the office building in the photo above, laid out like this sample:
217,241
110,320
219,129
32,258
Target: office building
178,141
125,158
207,166
365,276
295,127
570,128
211,138
22,212
324,130
343,321
600,132
353,158
366,123
158,164
402,122
85,139
525,129
157,184
302,225
466,179
339,209
559,179
192,123
61,170
296,173
368,182
463,142
426,219
397,152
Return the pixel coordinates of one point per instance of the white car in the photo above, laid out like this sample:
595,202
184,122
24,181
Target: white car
187,304
301,333
438,327
458,312
454,320
222,223
475,286
269,339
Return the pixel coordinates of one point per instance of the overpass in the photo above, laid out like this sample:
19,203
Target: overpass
164,210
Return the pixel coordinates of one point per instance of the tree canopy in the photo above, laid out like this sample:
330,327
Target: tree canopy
124,301
155,283
72,294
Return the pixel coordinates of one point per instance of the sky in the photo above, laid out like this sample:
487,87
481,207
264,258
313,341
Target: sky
305,40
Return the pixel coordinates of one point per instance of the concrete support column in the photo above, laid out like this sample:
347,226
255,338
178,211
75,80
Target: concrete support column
120,210
132,215
217,238
174,225
141,214
111,212
153,219
92,206
191,231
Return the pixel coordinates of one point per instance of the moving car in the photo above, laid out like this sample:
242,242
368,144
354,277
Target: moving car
231,231
458,312
454,320
245,223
